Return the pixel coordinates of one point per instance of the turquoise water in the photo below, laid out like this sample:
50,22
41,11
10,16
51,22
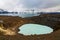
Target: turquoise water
31,29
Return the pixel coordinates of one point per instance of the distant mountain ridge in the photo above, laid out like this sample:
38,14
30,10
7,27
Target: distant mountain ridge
1,10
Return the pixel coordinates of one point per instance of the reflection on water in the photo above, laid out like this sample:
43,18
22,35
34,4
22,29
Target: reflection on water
31,29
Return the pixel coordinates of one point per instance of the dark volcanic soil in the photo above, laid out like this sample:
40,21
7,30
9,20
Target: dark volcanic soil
52,20
52,36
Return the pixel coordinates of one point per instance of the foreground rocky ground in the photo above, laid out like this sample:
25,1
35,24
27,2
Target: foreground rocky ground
9,27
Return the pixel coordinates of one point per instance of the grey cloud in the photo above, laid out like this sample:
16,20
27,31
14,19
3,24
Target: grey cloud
40,3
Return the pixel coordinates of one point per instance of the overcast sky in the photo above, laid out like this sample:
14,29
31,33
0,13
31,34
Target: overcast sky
20,5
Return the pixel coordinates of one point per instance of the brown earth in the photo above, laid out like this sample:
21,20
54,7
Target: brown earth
13,23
